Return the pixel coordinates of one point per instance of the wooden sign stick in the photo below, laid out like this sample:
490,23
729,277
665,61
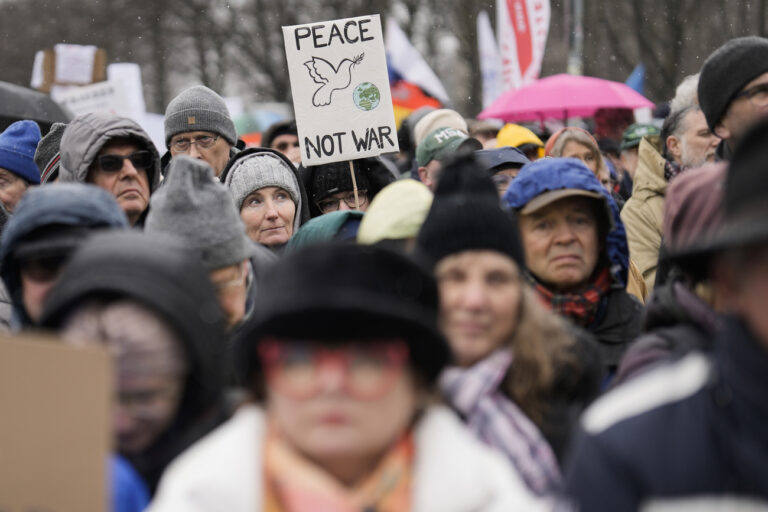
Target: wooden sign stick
354,184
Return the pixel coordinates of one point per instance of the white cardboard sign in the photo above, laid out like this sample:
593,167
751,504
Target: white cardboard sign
106,96
340,89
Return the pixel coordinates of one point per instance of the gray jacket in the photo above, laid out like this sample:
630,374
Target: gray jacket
87,134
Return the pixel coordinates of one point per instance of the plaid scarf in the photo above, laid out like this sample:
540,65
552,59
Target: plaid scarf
495,419
671,169
581,308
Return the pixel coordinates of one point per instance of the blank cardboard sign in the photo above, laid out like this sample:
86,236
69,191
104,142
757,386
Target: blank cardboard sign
54,426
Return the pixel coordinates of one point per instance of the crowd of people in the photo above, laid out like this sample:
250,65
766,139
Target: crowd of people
490,320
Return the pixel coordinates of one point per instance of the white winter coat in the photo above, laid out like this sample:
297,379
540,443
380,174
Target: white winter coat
453,472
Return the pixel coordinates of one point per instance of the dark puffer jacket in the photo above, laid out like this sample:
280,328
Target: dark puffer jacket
689,435
677,322
160,274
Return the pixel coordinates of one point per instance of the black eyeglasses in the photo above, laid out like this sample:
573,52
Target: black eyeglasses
204,141
332,203
757,95
113,163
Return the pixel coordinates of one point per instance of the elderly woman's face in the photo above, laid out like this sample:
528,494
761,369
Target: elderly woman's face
574,149
268,214
337,403
149,366
561,242
480,294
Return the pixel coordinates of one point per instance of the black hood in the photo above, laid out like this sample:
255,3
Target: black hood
160,274
55,207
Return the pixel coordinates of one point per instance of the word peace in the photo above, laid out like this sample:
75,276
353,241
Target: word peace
353,31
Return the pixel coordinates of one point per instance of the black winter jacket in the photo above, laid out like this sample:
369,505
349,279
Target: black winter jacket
689,433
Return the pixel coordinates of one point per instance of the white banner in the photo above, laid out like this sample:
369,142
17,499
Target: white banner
522,27
490,59
340,89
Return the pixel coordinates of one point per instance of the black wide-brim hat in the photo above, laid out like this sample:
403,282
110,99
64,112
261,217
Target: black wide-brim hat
346,292
745,204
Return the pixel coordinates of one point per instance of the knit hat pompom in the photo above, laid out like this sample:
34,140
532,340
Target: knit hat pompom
465,215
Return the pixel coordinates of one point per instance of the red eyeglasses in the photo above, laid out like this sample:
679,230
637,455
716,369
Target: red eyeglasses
302,369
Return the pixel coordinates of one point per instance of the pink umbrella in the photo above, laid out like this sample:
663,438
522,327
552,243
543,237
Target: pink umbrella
562,96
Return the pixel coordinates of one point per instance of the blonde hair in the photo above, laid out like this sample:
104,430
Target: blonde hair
583,138
541,345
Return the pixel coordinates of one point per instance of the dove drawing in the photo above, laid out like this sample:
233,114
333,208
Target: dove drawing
330,78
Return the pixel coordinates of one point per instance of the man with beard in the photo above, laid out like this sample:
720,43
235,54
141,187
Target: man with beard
689,142
685,142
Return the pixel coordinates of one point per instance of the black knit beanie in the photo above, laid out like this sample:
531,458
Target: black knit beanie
329,179
726,71
466,215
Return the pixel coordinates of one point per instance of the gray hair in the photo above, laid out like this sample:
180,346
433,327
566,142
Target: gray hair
686,94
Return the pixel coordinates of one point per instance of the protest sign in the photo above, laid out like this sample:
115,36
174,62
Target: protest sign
106,96
55,426
340,88
68,65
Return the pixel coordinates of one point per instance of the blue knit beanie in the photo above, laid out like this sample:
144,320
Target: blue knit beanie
17,150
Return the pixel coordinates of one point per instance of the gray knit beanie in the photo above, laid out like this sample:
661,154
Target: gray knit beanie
259,170
195,206
47,155
199,109
726,71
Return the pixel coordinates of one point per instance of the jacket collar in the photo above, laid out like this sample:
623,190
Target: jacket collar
649,178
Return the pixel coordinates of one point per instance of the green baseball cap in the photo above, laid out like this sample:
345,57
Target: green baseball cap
443,142
633,134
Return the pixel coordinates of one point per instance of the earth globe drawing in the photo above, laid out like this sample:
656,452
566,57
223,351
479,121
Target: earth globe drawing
366,96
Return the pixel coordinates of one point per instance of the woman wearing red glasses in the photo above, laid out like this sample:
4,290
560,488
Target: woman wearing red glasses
342,357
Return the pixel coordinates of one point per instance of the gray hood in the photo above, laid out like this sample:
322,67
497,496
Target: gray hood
87,134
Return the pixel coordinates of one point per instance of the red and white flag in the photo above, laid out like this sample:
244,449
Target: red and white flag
522,27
